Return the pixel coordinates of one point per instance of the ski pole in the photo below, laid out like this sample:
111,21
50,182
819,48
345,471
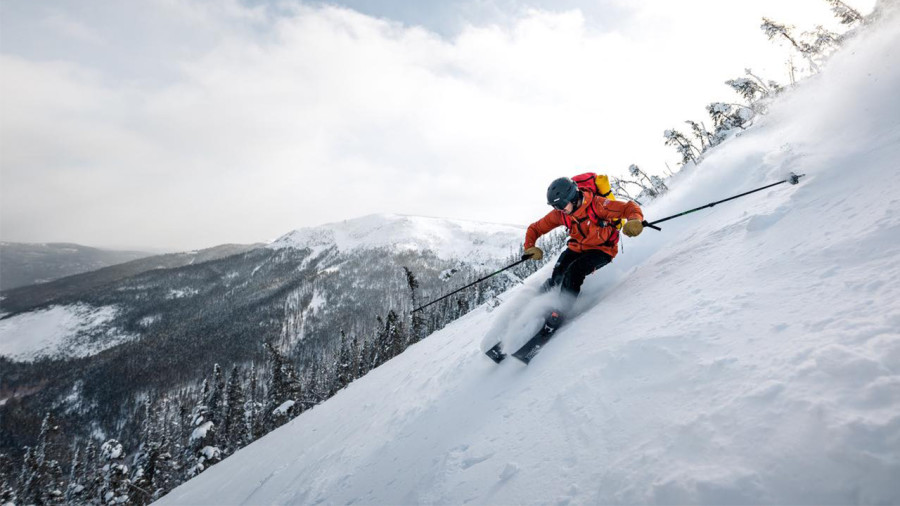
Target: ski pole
793,179
472,283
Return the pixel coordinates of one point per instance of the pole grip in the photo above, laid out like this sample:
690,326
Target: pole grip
650,225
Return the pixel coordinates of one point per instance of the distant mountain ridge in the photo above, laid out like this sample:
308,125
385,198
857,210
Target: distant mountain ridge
23,264
27,297
470,241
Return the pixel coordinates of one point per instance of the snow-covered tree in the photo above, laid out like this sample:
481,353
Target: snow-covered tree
167,466
685,148
115,486
727,117
618,187
814,46
91,477
417,322
846,15
750,89
144,475
7,480
202,450
216,401
780,31
701,134
396,334
278,384
344,363
41,480
149,461
235,433
74,488
253,408
355,356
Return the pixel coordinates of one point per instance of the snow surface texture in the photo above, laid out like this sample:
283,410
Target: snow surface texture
77,330
749,353
448,239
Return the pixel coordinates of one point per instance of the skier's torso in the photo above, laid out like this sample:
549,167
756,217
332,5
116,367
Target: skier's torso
591,226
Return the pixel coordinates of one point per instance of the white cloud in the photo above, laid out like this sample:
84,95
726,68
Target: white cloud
59,22
301,115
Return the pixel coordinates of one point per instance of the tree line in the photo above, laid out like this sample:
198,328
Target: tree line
181,433
808,51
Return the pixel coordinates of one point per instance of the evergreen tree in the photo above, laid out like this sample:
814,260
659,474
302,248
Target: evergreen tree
42,476
91,478
285,388
169,466
363,361
7,480
617,185
651,186
144,477
278,385
201,450
702,135
147,461
727,117
355,355
25,482
74,488
417,332
685,148
380,343
216,400
115,486
235,429
344,363
846,15
396,335
253,408
294,382
779,31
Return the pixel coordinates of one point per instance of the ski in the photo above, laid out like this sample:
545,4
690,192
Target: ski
534,345
496,353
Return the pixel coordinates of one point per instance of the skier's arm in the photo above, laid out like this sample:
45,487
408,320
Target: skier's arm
617,209
541,227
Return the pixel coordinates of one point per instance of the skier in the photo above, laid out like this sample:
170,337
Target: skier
593,236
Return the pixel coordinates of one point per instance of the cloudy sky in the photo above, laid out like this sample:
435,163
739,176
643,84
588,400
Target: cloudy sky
182,124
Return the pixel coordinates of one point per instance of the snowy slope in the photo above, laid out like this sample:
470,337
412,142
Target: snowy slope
75,330
746,354
473,242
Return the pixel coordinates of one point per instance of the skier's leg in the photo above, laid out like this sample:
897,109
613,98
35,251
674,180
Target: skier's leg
586,263
559,270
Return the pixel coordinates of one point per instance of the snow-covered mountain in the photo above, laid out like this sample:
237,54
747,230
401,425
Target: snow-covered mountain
468,241
746,354
76,328
162,323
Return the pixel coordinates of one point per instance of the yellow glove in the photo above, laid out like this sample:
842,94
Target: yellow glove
633,228
533,253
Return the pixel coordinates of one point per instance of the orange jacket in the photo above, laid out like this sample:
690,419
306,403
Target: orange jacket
584,232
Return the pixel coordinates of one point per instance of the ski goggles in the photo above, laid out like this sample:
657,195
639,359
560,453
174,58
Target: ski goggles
559,205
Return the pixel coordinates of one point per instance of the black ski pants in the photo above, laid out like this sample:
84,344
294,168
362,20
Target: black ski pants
572,267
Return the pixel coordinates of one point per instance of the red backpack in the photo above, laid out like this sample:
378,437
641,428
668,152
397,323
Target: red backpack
596,184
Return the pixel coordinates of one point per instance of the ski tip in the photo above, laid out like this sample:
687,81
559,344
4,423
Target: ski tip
496,353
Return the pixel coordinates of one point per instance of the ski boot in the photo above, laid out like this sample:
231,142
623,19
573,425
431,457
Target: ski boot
553,322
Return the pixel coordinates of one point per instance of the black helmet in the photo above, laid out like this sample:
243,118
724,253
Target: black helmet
561,192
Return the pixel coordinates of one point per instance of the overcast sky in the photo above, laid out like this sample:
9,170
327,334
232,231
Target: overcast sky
182,124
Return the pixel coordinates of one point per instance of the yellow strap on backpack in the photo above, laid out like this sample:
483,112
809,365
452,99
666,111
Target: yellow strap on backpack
603,186
606,191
